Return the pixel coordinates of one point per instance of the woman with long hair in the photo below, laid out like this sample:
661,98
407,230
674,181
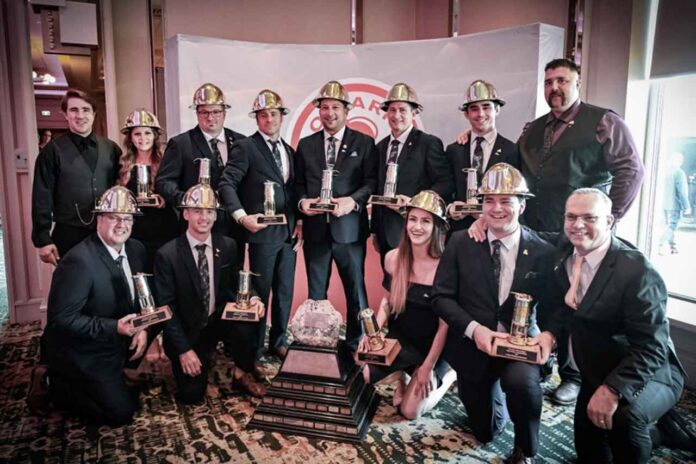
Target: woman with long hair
406,309
142,145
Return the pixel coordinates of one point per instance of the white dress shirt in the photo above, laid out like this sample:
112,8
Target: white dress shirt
337,143
124,264
402,141
222,144
283,155
209,255
486,145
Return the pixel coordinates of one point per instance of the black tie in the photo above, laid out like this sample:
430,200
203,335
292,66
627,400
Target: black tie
124,277
495,256
205,275
477,162
331,153
393,152
216,152
276,156
549,130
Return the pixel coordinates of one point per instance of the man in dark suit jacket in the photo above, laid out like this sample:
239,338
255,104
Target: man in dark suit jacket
209,139
612,304
421,166
340,235
483,148
196,276
89,336
473,294
265,157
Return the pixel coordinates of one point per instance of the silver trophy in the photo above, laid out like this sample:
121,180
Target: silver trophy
204,171
149,315
472,204
269,206
389,197
326,194
144,195
241,309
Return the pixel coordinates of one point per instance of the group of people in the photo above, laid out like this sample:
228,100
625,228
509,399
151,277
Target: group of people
549,206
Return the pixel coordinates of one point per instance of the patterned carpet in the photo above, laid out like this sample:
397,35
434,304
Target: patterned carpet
165,432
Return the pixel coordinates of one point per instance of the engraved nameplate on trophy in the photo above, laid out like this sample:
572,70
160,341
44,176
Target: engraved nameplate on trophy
472,205
149,315
242,309
516,346
269,207
380,350
389,196
325,205
144,195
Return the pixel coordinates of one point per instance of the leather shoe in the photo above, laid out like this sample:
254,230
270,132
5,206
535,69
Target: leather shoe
38,400
675,433
281,351
566,393
518,457
247,383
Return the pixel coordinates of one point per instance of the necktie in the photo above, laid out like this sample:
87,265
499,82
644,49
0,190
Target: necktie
477,162
495,256
571,298
276,155
393,151
124,277
205,275
331,153
216,152
549,130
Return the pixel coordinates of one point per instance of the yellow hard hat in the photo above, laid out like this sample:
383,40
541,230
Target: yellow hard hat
140,118
332,90
429,201
117,199
208,94
267,100
402,93
504,179
480,90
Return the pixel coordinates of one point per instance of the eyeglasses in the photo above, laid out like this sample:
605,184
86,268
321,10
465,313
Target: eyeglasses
214,113
119,219
587,219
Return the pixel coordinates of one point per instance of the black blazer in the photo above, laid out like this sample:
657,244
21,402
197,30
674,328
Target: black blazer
88,295
422,166
620,331
178,285
178,171
464,290
357,177
249,165
459,156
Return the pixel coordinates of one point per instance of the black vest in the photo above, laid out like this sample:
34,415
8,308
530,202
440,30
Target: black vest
575,160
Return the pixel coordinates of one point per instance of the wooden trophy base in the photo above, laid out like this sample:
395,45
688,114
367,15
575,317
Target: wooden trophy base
233,312
503,348
149,202
276,219
319,392
322,207
470,209
382,200
383,357
160,314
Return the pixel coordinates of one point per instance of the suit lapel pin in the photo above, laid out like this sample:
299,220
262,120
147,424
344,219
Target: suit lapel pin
498,152
217,252
571,124
525,252
344,147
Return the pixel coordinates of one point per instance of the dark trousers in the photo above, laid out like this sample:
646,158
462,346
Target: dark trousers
512,382
566,370
350,261
105,401
65,237
629,440
275,262
238,338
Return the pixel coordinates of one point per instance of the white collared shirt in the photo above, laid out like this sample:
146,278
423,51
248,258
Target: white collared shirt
486,145
124,264
283,154
222,144
402,141
209,255
337,143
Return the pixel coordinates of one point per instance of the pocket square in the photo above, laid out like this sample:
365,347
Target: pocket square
353,154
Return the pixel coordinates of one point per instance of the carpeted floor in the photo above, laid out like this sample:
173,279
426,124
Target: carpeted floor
215,432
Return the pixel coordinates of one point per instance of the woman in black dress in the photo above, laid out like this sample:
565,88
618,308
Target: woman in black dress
406,309
142,145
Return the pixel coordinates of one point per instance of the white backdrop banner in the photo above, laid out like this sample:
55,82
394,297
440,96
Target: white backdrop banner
439,70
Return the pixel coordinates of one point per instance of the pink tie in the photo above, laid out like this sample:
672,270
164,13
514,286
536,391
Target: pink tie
571,298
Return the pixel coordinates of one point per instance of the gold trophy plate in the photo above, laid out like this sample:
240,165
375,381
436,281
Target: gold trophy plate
161,314
383,200
235,312
276,219
383,357
504,348
149,201
322,207
469,208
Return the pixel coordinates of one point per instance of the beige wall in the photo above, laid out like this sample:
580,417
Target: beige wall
389,20
477,16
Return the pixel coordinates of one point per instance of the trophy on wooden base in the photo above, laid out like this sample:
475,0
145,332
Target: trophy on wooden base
472,205
269,212
516,346
149,315
381,350
242,309
325,205
144,195
389,197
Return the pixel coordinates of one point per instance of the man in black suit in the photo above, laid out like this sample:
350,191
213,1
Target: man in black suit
339,235
421,165
209,139
611,302
89,336
483,148
473,294
196,275
253,163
